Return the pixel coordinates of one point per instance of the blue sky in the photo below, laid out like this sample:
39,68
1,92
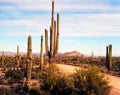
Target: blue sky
85,25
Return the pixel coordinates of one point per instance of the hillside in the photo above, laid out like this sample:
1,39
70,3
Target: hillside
73,53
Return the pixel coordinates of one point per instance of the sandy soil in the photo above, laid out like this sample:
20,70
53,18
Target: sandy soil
114,81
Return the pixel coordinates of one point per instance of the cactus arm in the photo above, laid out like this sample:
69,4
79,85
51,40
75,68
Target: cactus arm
46,41
57,39
51,42
54,39
41,53
52,22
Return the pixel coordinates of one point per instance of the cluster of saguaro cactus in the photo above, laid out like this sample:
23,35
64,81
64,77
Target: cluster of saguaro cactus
41,53
2,59
18,57
54,37
109,57
29,62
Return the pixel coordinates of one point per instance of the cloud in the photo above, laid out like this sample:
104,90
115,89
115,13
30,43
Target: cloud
70,25
66,5
91,25
22,17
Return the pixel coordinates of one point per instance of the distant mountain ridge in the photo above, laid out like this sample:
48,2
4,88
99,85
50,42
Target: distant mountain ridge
7,53
72,53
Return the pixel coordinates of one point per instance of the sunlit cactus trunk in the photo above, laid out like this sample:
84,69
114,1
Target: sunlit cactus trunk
58,34
29,62
46,42
2,59
54,38
52,32
18,57
109,57
41,54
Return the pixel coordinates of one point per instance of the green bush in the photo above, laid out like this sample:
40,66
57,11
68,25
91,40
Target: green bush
53,83
90,82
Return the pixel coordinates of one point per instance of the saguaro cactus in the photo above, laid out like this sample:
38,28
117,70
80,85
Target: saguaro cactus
3,59
18,57
109,57
92,55
54,37
41,54
29,62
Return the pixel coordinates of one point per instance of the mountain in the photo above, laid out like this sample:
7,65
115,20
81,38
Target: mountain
8,53
72,53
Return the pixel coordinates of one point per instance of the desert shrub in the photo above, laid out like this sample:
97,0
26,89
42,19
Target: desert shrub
35,91
90,82
6,91
1,81
14,75
9,61
116,64
53,83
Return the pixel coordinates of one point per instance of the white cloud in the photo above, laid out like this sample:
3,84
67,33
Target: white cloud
70,25
91,25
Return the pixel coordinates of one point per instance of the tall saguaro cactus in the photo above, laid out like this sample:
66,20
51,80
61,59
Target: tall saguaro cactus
18,58
3,59
29,62
54,37
41,54
109,57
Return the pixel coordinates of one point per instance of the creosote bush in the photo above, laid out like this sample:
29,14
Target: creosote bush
54,83
14,76
90,82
